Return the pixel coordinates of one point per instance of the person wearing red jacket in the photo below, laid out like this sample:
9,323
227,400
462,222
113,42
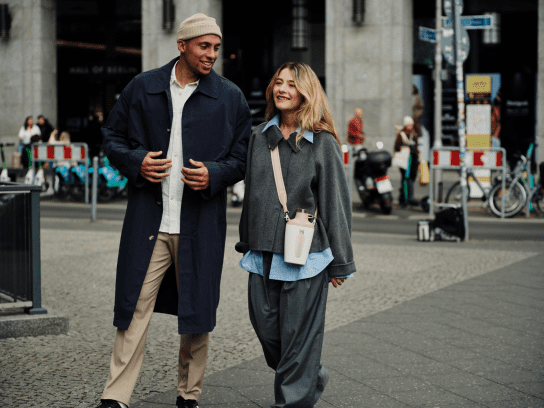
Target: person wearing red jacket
356,135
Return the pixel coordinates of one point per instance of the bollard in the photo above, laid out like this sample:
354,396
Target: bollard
94,189
346,153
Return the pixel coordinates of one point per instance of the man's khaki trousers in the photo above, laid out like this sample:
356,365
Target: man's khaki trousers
128,351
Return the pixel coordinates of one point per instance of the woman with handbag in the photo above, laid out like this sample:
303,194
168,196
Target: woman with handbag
294,167
406,158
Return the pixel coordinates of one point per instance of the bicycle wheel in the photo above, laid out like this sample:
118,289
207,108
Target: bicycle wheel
455,194
514,199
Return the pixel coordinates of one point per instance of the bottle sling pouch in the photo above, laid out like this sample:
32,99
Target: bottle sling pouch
299,231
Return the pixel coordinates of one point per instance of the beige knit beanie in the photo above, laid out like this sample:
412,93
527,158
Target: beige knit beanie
198,25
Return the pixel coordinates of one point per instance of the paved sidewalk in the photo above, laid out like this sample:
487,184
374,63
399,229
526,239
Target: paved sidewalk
477,343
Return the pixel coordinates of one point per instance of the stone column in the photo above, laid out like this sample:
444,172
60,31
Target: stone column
369,66
540,85
159,46
28,68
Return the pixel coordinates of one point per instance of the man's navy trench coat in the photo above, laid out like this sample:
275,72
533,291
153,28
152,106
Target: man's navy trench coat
216,125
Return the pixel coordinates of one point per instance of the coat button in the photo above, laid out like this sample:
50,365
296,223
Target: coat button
159,203
168,130
151,237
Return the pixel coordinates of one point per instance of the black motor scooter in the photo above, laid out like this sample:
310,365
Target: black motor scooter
373,183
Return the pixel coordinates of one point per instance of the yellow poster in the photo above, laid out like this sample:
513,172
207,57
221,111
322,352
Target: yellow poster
479,84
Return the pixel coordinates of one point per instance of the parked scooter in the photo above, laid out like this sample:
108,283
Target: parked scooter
111,183
71,180
373,183
62,181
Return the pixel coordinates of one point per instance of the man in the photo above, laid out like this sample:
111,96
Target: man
355,128
45,128
179,133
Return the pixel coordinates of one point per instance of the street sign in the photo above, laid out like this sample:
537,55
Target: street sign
427,34
448,7
483,22
448,44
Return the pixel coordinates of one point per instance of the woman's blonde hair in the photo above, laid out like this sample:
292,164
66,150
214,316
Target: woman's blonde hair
314,113
64,137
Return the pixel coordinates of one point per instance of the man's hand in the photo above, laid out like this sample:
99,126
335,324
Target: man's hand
197,179
151,167
337,281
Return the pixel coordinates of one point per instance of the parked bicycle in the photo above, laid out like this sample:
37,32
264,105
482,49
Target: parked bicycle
515,193
534,188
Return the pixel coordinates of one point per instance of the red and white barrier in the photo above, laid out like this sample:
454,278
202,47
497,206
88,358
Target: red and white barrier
346,153
74,152
473,158
45,151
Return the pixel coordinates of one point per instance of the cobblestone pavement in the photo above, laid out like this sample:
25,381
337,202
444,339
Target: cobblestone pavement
78,277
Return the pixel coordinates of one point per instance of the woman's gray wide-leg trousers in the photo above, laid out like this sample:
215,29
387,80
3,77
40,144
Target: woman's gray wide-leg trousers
289,319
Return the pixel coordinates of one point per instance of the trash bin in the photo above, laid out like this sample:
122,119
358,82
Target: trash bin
20,266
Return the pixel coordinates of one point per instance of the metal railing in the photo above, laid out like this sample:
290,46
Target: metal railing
20,266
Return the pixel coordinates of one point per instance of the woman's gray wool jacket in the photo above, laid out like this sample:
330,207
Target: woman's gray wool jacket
313,175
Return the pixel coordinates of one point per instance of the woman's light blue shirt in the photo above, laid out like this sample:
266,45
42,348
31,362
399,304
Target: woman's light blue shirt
281,270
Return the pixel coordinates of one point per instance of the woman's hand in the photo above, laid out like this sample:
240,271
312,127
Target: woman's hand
337,281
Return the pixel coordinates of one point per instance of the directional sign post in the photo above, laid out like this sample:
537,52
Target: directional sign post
427,34
484,22
474,22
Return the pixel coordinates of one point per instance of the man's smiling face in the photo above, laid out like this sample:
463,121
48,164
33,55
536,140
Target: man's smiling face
200,53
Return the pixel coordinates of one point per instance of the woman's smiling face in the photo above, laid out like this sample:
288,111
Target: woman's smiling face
286,96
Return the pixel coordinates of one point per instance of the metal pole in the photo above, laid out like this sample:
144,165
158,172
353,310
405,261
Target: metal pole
86,178
503,182
438,89
431,181
528,185
461,106
94,190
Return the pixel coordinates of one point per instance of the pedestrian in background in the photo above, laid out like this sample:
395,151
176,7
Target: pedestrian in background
418,107
287,301
45,128
406,145
179,133
28,134
356,135
64,138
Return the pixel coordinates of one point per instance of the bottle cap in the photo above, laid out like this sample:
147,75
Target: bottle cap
302,210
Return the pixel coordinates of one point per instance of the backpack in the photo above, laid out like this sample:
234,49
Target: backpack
449,224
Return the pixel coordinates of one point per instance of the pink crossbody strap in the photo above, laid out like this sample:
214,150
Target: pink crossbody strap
280,185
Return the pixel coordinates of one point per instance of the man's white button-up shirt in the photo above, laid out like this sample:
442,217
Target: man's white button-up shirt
172,186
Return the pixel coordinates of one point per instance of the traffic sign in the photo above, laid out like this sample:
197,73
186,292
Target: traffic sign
448,44
483,22
427,34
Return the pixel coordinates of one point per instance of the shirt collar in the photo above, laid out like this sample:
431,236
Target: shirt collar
275,121
174,80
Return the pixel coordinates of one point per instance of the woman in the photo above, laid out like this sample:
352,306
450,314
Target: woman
407,138
286,301
27,135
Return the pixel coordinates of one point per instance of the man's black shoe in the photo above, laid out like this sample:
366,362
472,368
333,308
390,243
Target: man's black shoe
109,404
183,403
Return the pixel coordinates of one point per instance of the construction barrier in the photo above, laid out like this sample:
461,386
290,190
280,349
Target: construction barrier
449,158
75,152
